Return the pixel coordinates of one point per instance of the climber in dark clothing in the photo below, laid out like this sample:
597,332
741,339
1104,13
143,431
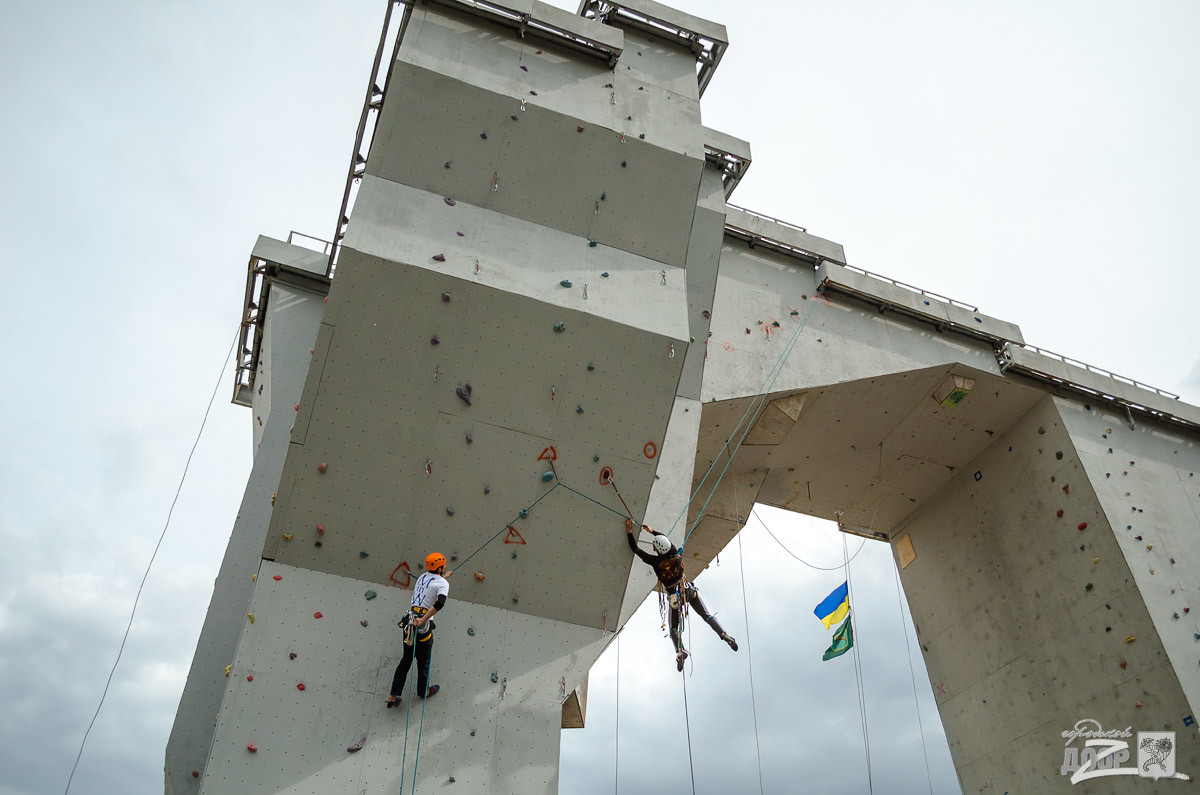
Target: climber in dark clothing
668,566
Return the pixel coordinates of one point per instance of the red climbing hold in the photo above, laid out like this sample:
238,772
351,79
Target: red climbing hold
300,686
321,467
249,677
321,529
296,407
1059,513
549,454
407,574
195,774
1067,489
1082,526
251,747
277,578
650,450
317,614
513,537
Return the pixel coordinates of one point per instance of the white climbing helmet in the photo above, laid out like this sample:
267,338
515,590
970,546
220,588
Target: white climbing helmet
662,544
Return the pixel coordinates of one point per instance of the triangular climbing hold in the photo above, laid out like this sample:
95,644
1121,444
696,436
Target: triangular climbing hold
549,454
403,567
513,537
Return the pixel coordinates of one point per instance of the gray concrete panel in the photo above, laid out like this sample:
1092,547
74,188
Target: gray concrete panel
290,255
1023,615
703,260
402,224
759,226
1150,484
290,327
655,62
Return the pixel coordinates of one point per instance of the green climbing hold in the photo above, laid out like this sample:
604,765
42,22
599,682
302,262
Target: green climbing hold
471,631
371,595
1088,587
623,164
363,554
560,327
514,598
547,476
642,136
595,458
565,283
524,513
604,275
691,339
495,678
514,555
579,409
591,244
591,367
472,732
603,196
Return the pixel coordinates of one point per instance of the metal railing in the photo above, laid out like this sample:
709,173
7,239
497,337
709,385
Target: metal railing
913,288
326,245
1097,370
765,217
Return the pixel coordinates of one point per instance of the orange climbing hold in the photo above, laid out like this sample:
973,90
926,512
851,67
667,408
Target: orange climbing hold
479,576
321,467
513,537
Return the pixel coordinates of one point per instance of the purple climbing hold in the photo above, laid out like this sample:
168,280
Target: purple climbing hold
358,746
454,557
363,622
434,341
706,313
483,135
512,116
486,490
439,257
449,199
533,93
460,234
445,298
464,393
469,439
447,165
524,68
449,511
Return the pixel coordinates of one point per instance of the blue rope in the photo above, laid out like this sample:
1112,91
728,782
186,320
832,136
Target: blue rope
777,368
589,499
509,524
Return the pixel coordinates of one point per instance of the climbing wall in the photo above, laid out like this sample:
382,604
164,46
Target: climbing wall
289,329
496,376
1030,613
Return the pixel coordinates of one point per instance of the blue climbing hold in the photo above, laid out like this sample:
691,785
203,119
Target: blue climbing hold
565,283
591,367
495,678
547,476
591,244
514,555
603,196
579,409
524,514
471,631
604,275
595,458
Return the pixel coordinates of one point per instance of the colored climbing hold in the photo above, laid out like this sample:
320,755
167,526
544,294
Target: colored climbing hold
642,136
524,514
486,490
524,68
479,576
565,283
460,234
560,327
463,394
251,617
469,439
321,467
471,631
296,407
547,476
1095,560
623,164
321,529
591,243
449,199
317,615
495,678
579,409
595,457
228,668
195,774
591,367
449,511
439,257
434,341
300,686
370,595
445,298
277,577
533,93
251,747
1082,526
1130,638
514,555
1088,587
1059,513
483,135
292,656
287,536
363,622
358,746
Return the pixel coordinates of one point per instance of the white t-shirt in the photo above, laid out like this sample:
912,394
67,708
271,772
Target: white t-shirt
426,591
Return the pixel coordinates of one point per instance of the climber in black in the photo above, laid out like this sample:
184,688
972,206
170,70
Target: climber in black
668,566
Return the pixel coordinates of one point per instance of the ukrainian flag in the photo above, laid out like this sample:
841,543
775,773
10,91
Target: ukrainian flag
833,608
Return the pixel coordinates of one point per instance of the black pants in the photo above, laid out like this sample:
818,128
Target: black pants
423,649
678,595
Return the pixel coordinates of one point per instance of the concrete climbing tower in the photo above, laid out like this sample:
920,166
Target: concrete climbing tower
535,281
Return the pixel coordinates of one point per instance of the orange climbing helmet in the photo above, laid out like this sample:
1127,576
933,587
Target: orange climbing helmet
434,561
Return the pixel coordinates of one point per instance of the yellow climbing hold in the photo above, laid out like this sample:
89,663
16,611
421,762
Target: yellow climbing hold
273,496
228,668
254,577
251,617
287,536
1130,638
1095,560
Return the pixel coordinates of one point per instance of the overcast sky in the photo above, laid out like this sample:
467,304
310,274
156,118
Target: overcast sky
1036,159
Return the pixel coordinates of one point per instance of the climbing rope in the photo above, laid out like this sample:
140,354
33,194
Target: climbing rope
838,567
420,731
912,676
750,663
520,515
407,719
858,678
617,728
687,722
761,400
153,555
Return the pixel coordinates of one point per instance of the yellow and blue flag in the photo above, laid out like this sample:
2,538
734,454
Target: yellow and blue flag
833,608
